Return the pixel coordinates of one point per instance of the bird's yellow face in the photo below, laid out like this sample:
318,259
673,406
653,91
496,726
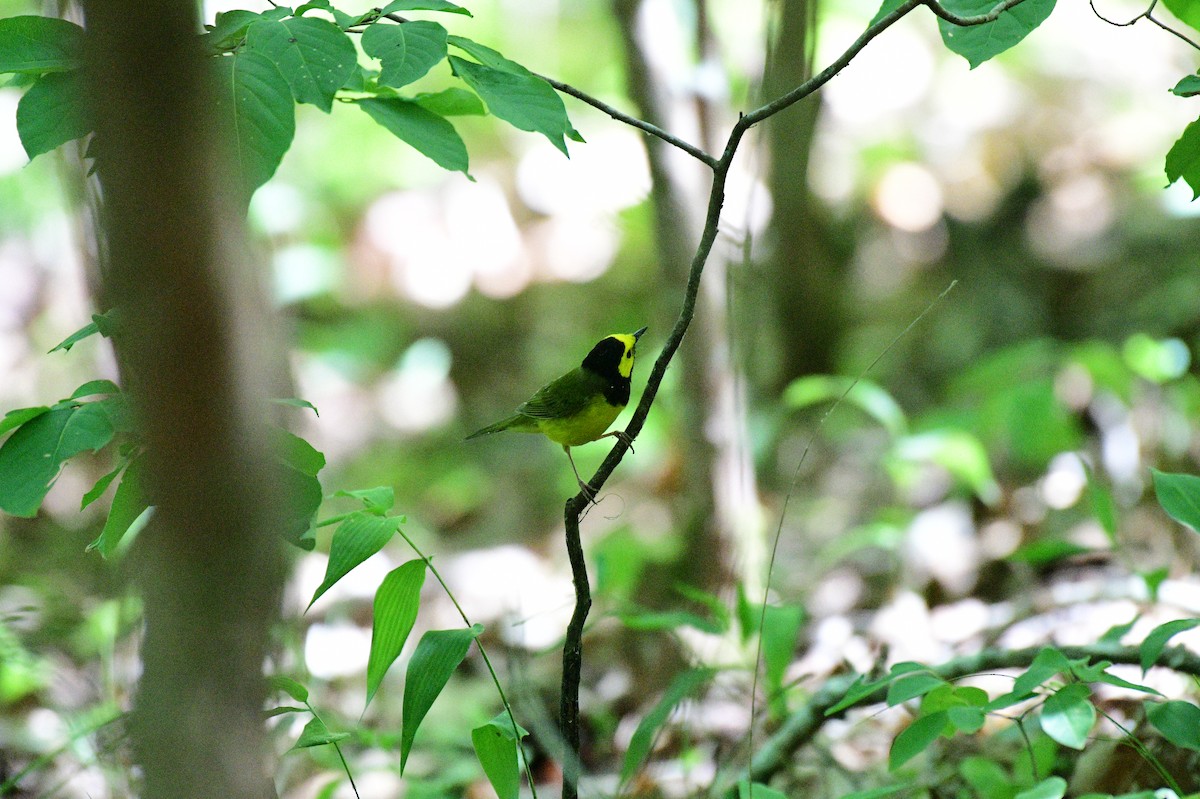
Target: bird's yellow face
629,341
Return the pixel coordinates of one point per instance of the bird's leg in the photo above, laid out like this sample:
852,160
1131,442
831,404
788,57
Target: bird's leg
587,490
623,436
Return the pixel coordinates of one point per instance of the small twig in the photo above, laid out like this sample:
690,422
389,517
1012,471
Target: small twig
640,124
1147,14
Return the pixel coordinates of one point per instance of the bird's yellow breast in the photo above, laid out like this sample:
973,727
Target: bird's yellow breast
587,425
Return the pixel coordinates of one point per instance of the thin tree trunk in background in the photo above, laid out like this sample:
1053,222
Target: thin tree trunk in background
209,566
805,269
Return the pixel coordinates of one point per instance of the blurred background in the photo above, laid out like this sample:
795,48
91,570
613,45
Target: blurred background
986,483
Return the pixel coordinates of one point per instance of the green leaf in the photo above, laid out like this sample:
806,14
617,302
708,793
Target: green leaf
1046,664
438,655
76,337
1103,506
1188,86
916,738
1114,634
911,686
987,778
31,457
451,102
868,397
966,719
36,45
1178,721
424,5
406,52
292,688
52,112
341,18
496,747
760,791
359,537
1047,550
1179,496
1050,788
375,500
781,629
20,416
1152,647
396,603
129,511
314,55
523,100
426,132
95,387
296,452
684,685
1186,11
228,28
1183,159
317,734
254,102
296,403
1069,714
97,490
978,43
861,690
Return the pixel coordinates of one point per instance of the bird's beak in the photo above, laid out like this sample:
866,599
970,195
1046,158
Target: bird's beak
638,334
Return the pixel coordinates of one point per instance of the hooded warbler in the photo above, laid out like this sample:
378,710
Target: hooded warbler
579,406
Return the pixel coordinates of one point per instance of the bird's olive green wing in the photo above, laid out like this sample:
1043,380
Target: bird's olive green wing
564,397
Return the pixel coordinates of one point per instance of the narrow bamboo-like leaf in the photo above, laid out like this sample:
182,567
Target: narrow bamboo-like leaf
424,5
405,52
1178,721
129,508
101,485
496,747
397,601
426,132
1179,496
978,43
52,112
438,655
317,734
781,629
684,685
36,45
314,55
916,738
292,688
869,397
359,537
524,101
1050,788
79,335
1152,647
254,102
1069,714
296,403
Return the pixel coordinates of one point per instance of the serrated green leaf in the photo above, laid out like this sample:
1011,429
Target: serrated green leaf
128,511
76,337
424,5
1153,646
32,456
1178,721
314,55
423,130
684,685
451,102
397,601
52,112
287,685
916,738
317,734
359,537
978,43
1179,496
496,747
524,101
911,686
1068,715
438,655
254,103
1183,159
405,52
34,45
1051,788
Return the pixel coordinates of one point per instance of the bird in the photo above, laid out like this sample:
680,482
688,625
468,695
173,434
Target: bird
578,407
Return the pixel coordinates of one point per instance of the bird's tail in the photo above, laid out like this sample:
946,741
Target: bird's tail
504,424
